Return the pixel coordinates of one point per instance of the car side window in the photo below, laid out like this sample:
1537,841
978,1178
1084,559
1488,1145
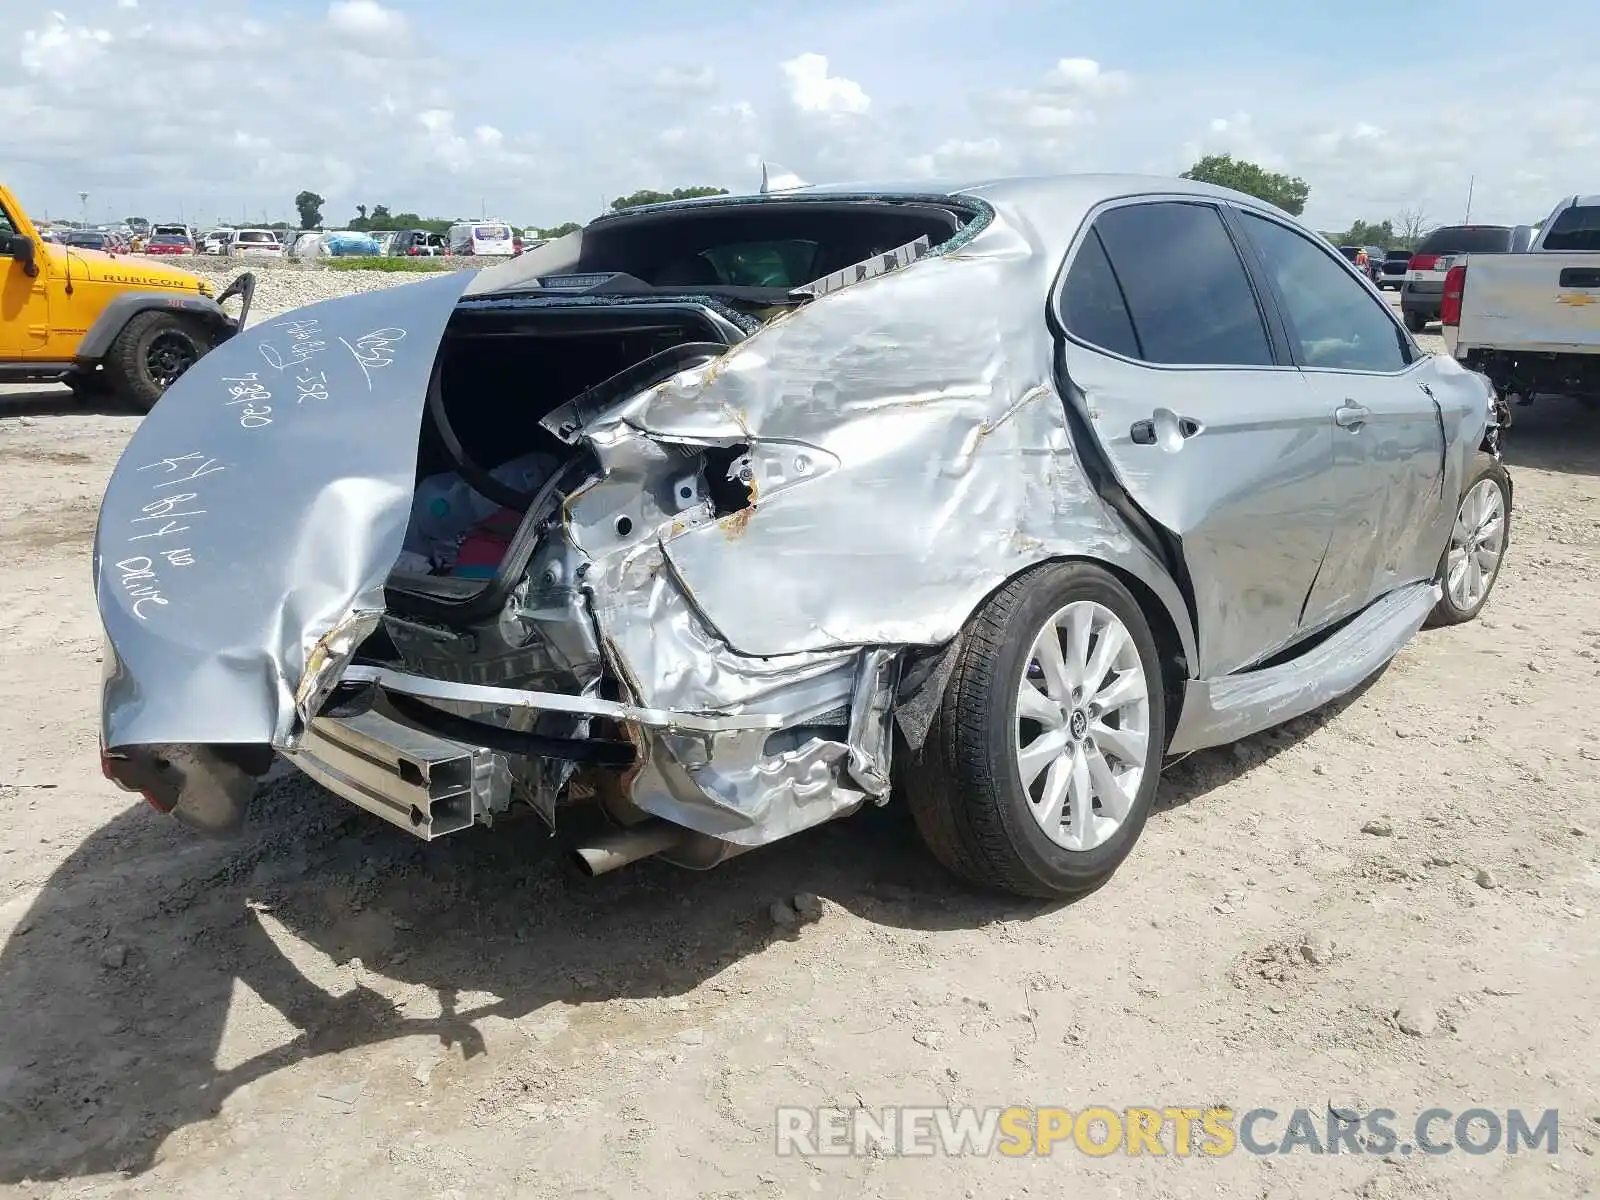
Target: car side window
6,230
1335,321
1092,305
1186,288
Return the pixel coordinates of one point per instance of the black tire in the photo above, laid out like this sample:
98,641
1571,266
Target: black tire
1447,611
964,789
1416,322
153,349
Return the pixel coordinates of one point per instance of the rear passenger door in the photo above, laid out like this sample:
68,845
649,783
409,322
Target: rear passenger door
1372,385
1205,422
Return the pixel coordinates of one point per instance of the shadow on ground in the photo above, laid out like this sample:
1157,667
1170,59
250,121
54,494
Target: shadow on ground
1555,434
102,1060
48,401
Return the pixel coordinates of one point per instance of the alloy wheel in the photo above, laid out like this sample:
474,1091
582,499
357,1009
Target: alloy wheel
1477,544
1082,725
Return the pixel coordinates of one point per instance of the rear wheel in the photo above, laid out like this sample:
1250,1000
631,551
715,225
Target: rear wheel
1042,761
1478,541
1416,322
153,350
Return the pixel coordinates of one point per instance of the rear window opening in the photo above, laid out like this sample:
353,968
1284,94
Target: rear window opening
764,244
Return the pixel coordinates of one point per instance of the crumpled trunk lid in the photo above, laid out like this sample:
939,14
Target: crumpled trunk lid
261,504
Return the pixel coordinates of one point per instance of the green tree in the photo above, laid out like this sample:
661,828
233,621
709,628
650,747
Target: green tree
555,231
411,220
381,217
1287,192
647,196
309,205
1366,233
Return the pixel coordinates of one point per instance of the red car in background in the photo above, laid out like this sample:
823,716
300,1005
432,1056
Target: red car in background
169,243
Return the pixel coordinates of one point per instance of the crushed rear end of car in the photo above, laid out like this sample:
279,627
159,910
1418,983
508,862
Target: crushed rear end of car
693,544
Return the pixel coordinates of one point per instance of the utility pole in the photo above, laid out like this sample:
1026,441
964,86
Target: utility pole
83,201
1471,181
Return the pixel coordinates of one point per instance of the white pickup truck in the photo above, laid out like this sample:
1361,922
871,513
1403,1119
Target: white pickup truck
1531,321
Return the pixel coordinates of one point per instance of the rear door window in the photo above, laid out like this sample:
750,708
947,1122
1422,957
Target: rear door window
1092,305
1335,320
1186,289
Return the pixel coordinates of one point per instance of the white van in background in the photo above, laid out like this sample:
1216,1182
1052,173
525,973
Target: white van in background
481,237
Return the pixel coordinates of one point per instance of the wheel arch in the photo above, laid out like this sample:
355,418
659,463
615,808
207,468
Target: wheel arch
114,318
1167,616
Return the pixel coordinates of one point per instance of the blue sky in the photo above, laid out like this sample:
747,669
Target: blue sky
540,113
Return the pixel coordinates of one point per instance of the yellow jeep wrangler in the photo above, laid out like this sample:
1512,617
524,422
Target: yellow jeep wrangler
102,325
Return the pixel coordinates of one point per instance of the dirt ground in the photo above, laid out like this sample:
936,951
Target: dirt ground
332,1008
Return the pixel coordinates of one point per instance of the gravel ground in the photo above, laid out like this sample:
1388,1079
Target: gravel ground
1391,903
281,286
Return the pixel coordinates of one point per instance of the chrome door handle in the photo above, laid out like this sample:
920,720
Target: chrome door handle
1351,416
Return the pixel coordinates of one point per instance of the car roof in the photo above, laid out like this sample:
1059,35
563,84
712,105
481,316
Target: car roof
1053,206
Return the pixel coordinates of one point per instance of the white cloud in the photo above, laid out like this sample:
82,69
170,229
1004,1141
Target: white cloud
127,3
813,90
61,50
367,19
1083,77
542,126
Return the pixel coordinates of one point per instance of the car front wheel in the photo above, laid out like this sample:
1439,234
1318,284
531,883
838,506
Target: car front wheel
1478,541
1041,765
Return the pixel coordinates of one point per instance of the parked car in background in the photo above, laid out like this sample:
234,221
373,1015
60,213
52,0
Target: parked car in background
384,238
1226,494
169,243
1423,290
90,239
415,243
216,242
348,242
490,238
178,230
254,243
1531,321
1392,271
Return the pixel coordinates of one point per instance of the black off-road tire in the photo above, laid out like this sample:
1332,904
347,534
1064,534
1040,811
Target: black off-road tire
128,365
1484,466
1416,322
963,787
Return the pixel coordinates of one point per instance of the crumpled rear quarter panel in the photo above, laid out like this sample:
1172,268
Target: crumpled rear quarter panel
947,465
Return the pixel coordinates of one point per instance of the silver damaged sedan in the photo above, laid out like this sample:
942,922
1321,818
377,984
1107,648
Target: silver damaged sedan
728,517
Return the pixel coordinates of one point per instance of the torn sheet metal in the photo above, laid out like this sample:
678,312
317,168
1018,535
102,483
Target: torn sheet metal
260,504
927,398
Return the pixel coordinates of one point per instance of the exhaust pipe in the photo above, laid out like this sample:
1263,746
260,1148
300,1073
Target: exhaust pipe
627,846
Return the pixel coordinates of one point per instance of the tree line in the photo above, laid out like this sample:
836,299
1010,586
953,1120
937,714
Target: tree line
1288,192
377,216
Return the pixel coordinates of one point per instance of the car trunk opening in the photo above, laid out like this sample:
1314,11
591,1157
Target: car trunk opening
490,473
